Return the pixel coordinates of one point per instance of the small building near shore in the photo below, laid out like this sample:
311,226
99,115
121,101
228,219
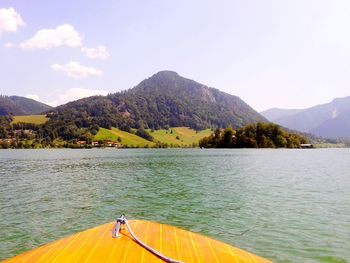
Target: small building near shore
81,143
113,144
306,146
95,144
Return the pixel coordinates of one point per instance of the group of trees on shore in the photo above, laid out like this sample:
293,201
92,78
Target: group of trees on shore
260,135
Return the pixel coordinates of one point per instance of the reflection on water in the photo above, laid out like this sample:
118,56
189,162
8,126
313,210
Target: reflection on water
286,205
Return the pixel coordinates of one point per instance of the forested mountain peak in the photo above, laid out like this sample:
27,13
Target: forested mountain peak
164,100
164,81
171,83
166,74
16,105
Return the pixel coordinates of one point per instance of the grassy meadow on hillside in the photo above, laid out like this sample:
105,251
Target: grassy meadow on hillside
36,119
106,135
176,137
130,139
181,136
127,139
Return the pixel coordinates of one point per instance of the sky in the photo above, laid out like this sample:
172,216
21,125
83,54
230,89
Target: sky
272,53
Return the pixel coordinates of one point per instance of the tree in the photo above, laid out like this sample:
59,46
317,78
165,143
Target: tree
144,134
227,138
260,135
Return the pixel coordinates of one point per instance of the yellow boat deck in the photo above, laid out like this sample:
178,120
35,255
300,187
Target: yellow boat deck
97,245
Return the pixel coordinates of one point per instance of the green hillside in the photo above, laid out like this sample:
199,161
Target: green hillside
181,136
127,139
178,136
16,105
36,119
105,135
164,100
130,139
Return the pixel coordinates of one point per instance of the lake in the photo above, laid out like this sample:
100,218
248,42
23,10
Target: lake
285,205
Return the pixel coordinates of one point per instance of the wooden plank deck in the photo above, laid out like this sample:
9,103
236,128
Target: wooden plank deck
97,245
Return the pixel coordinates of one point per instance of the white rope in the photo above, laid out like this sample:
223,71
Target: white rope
123,220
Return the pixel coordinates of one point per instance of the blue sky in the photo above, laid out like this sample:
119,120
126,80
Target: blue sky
289,54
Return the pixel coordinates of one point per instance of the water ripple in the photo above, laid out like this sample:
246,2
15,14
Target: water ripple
285,205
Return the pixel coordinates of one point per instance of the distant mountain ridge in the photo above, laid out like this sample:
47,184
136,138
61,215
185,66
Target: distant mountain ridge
277,113
164,100
331,120
16,105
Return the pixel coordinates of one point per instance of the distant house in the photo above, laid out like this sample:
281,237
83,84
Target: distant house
109,143
95,144
113,144
8,140
106,144
81,143
117,145
306,145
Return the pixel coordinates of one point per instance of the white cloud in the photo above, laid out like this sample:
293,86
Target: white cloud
98,52
10,20
63,35
33,97
76,70
9,45
62,97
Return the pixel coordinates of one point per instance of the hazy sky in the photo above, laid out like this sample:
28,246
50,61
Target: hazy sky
289,54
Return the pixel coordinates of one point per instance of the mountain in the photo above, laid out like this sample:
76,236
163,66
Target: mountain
338,127
331,120
16,105
276,113
164,100
189,103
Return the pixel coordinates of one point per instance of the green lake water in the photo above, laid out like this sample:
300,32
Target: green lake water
285,205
